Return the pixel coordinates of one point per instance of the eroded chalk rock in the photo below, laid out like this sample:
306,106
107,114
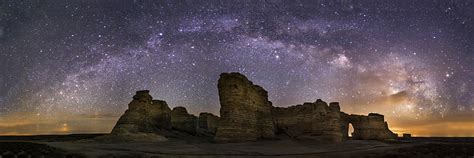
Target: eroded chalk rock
183,121
207,123
245,110
311,120
332,131
294,121
144,115
372,126
344,125
161,114
246,115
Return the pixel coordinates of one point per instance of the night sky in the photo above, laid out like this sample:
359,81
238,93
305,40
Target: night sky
72,67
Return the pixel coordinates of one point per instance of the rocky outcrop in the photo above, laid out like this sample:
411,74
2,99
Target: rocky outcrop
181,120
295,121
207,123
246,114
332,130
147,116
317,120
245,110
344,125
162,114
369,127
144,115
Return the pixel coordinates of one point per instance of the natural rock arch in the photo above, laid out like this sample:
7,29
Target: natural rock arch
372,126
246,114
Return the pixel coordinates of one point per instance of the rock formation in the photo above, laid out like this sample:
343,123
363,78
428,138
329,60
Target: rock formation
207,123
246,114
332,130
163,117
144,115
245,110
317,120
147,116
295,121
181,120
368,127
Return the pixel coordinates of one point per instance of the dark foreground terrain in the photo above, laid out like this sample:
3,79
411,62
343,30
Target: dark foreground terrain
87,146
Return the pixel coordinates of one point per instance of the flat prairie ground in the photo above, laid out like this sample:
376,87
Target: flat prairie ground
86,145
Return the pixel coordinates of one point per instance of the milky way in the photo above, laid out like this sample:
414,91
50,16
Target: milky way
67,64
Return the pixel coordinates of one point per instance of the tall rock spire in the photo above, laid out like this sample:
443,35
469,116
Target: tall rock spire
245,110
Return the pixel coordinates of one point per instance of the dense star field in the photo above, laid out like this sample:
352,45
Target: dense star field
73,66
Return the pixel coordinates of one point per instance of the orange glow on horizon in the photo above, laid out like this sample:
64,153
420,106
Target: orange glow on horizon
31,124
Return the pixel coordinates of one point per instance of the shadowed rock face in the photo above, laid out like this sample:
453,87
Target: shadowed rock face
332,130
344,125
183,121
317,120
207,123
245,110
295,121
163,117
144,115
